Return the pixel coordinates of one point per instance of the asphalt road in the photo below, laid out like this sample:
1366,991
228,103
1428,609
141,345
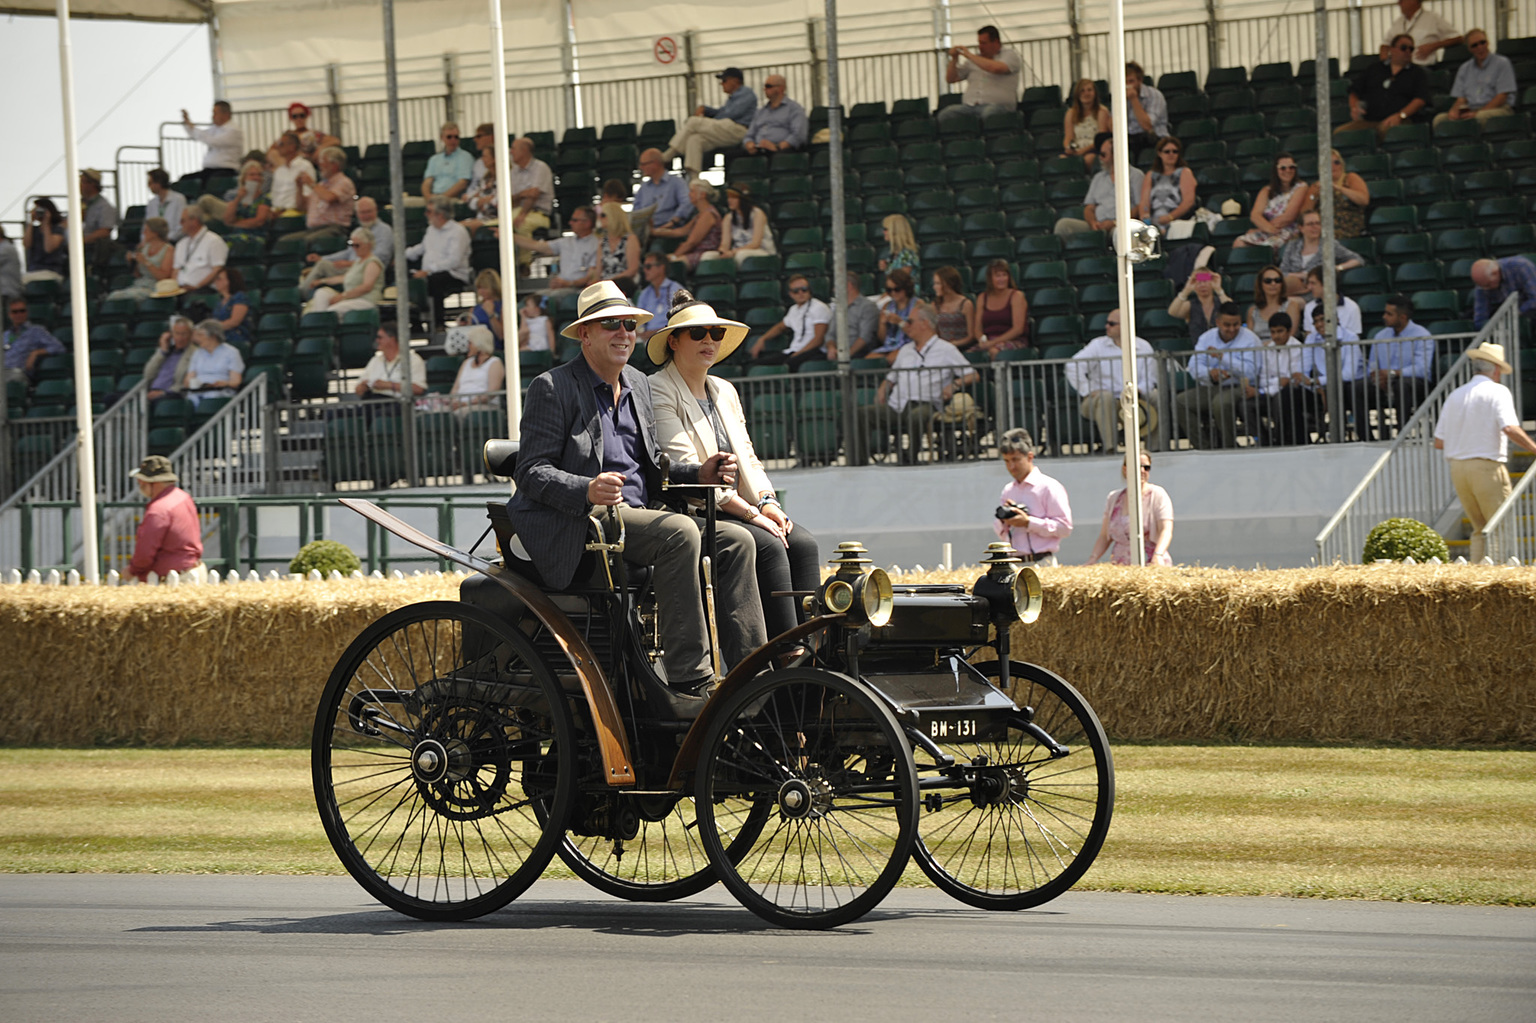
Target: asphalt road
164,948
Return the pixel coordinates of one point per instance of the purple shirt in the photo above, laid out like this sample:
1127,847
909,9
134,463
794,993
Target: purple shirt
19,345
1516,274
1050,514
622,445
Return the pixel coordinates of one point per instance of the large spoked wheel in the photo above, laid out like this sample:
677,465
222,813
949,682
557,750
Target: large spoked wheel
663,858
443,761
826,760
1011,824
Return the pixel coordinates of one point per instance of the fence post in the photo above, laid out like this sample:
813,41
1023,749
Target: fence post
1212,42
1356,33
1501,18
1075,38
568,62
691,84
450,81
818,82
333,87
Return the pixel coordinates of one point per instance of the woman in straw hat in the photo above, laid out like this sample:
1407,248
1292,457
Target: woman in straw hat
698,415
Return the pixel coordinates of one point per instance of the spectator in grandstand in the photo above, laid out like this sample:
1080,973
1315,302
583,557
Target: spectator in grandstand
165,202
1301,254
863,321
26,343
233,311
99,221
1225,366
924,376
900,252
225,142
43,240
1197,302
701,233
1385,95
200,254
714,127
533,326
619,252
900,300
328,201
10,269
1269,298
1099,204
482,378
1002,312
1401,365
780,124
662,198
1314,364
1351,196
1168,189
1426,30
485,142
1496,280
384,376
336,263
1348,308
480,196
250,211
1085,121
486,311
656,297
1039,516
1484,86
532,185
216,367
956,312
361,287
310,140
990,72
1476,425
166,370
1286,402
745,232
449,170
578,251
1277,208
169,538
443,252
288,166
1097,375
1156,522
697,415
153,261
1149,111
807,319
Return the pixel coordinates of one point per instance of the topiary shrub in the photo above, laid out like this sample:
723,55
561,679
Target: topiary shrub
325,555
1396,539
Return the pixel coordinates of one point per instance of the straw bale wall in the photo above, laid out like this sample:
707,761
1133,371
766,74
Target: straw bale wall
1416,654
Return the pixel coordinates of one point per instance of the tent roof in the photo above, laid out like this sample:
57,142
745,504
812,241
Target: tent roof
187,11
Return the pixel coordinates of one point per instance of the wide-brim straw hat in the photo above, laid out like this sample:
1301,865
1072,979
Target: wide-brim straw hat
154,469
168,288
599,302
1490,352
697,315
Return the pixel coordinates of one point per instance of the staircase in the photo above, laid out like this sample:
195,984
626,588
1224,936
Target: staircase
1458,537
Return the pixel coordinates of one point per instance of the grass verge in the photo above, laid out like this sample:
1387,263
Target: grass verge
1392,824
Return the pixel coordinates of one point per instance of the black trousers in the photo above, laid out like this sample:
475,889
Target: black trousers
779,569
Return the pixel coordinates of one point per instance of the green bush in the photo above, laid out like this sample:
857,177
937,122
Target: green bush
325,555
1396,539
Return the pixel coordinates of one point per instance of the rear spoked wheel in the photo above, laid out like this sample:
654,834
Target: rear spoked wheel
822,761
442,761
1012,824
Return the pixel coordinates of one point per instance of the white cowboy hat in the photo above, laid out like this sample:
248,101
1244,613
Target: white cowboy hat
698,315
599,302
1490,352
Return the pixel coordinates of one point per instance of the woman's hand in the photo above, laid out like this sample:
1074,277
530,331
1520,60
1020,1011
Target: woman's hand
776,514
763,522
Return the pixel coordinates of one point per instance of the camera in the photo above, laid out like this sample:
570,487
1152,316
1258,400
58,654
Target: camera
1007,508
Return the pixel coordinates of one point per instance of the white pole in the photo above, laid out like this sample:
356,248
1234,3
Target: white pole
514,370
1122,114
86,450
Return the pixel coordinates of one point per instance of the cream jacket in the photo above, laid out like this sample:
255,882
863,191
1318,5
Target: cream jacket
684,431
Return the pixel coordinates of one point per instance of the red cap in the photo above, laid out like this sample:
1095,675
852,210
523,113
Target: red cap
298,108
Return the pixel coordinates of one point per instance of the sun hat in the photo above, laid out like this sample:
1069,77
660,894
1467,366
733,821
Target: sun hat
168,288
599,302
92,173
154,469
697,315
1490,352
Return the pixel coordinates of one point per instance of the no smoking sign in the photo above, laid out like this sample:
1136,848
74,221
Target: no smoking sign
665,50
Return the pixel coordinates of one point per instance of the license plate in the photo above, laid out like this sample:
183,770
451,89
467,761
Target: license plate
950,729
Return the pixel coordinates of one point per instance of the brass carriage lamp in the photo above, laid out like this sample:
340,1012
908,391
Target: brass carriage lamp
856,588
1010,586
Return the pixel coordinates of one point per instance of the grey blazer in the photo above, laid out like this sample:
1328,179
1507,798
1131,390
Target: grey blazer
560,451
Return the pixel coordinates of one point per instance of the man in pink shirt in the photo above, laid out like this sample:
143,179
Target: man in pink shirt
1035,515
169,536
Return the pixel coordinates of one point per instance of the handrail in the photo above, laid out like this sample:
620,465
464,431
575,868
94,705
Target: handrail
51,482
1503,534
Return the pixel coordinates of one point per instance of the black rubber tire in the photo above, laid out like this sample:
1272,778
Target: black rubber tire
443,761
1040,831
824,756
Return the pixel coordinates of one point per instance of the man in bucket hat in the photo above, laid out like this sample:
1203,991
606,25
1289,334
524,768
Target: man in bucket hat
169,537
1475,428
588,442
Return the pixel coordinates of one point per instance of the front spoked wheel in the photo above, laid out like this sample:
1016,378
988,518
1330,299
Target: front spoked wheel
1011,823
825,759
443,761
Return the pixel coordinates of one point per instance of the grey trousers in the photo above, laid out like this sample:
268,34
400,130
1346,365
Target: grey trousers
671,543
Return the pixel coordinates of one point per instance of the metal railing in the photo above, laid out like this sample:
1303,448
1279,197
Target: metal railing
1410,479
1511,530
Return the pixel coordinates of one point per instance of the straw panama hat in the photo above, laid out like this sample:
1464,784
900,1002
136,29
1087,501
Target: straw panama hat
154,469
600,301
168,288
1490,352
700,315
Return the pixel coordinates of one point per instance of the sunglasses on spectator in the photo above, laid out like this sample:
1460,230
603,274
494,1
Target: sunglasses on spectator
1169,149
798,289
1111,323
1286,166
1480,42
1406,47
713,333
1145,467
1274,280
611,324
450,136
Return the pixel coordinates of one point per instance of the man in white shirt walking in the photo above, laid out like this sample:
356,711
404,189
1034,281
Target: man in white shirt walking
1474,431
1097,374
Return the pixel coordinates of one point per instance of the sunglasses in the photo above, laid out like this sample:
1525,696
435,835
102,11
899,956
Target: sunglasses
1111,323
1274,280
1406,48
628,325
713,333
1171,149
800,290
1146,468
1286,166
1480,42
450,136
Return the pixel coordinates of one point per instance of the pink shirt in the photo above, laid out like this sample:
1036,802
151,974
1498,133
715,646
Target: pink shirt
335,212
169,536
1050,515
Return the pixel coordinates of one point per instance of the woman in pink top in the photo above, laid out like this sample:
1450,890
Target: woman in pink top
1156,522
169,537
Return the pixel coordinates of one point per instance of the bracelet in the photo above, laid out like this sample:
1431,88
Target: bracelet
769,499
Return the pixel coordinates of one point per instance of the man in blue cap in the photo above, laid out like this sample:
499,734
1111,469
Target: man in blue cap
714,127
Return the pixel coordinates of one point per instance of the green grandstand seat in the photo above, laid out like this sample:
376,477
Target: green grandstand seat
1406,248
1425,276
957,150
1453,133
1500,130
1512,240
1044,274
972,174
1188,105
1060,330
1353,144
1365,280
970,200
1416,161
1405,137
1440,304
1393,220
1460,243
1192,130
1093,270
983,222
1484,184
1427,188
1033,220
1218,78
1053,301
114,335
1038,249
1174,83
1464,159
1022,195
1446,214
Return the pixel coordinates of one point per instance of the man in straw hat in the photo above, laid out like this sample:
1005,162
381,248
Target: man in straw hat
589,442
169,537
1475,428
